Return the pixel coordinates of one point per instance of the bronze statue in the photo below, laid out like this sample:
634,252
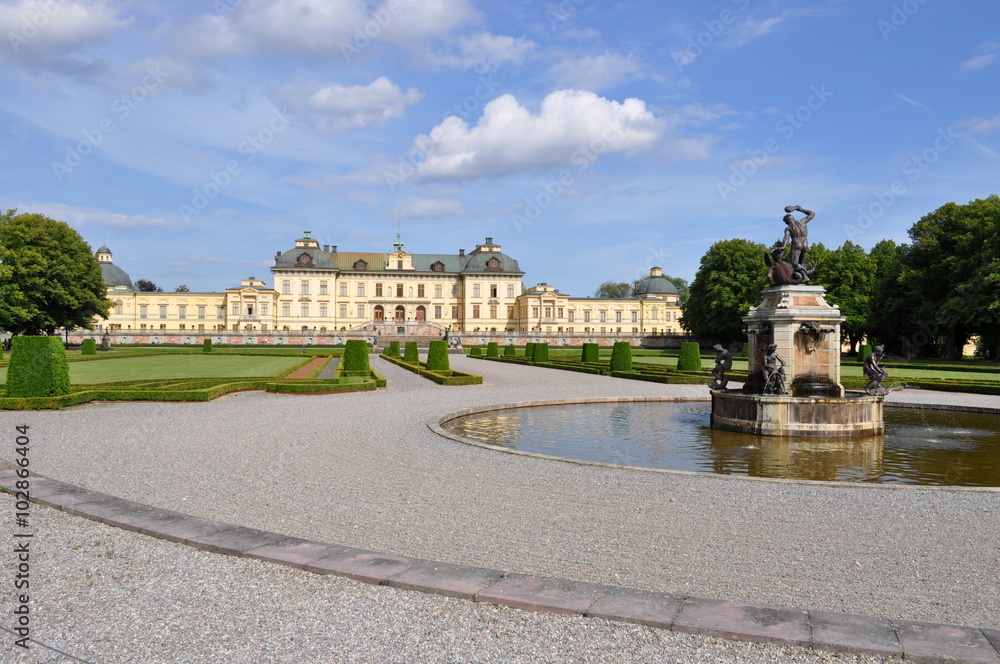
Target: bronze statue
723,363
774,371
794,270
875,372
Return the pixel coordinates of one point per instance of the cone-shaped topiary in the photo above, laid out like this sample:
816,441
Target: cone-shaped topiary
528,349
690,357
492,349
591,353
540,353
37,367
510,351
437,356
476,351
356,355
621,356
206,346
864,352
410,355
89,347
393,349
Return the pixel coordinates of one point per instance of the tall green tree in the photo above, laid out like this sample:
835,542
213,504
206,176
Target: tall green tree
953,272
729,281
615,290
889,306
147,286
182,289
848,274
49,278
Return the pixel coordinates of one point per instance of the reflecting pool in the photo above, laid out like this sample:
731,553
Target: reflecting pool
919,446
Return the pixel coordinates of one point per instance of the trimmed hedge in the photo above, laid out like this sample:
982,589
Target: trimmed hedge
410,353
590,353
510,351
864,352
443,377
475,351
37,368
540,353
492,349
690,357
393,349
355,356
437,356
89,347
621,356
206,346
529,349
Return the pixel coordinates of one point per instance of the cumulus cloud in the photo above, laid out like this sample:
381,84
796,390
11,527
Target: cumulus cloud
596,72
335,107
486,51
572,127
82,218
42,31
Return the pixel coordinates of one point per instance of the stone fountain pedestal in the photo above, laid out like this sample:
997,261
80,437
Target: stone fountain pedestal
806,330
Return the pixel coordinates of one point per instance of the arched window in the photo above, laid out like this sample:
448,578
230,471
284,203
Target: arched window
421,313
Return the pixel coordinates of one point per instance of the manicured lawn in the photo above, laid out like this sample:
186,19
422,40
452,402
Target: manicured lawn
174,366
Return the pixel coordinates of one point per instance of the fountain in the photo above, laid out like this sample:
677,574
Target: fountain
793,386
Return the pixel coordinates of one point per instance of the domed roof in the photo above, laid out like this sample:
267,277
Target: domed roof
104,249
492,261
655,284
115,276
304,257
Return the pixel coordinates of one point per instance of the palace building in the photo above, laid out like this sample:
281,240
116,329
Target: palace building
321,294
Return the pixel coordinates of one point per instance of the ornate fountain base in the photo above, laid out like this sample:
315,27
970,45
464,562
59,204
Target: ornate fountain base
782,415
804,331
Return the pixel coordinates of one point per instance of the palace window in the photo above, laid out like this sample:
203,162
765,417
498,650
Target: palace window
510,311
361,311
618,316
322,310
201,311
586,316
343,311
343,289
305,287
286,309
182,311
454,290
437,311
361,289
493,290
420,290
163,311
143,311
548,312
304,312
475,290
399,290
454,311
534,312
475,311
493,311
437,290
510,290
286,287
572,315
635,316
118,307
322,288
220,312
236,308
263,309
378,290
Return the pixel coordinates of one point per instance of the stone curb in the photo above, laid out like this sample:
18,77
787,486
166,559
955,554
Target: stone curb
926,643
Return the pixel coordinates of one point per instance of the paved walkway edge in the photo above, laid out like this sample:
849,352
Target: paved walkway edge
913,641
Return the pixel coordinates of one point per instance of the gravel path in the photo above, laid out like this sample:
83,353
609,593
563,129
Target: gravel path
362,470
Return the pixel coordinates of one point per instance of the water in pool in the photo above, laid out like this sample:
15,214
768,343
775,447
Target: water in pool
930,447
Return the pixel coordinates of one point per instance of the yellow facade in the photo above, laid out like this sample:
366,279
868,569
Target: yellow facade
320,291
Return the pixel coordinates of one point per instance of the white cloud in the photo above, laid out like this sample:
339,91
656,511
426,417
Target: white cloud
596,72
980,125
572,128
486,51
432,208
82,218
338,107
41,31
323,27
985,56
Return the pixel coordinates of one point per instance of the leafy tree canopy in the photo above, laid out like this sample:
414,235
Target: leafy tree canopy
616,290
49,278
182,289
147,286
848,274
729,280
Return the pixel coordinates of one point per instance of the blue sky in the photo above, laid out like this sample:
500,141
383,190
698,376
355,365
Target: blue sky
593,140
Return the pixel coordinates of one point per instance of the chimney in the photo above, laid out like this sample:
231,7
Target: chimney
277,255
333,248
489,240
326,248
461,252
656,272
